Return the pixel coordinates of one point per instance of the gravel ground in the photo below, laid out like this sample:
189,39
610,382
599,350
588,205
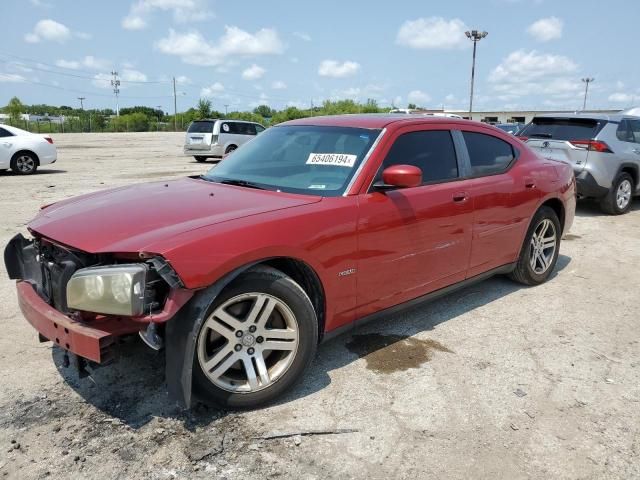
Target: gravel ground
495,381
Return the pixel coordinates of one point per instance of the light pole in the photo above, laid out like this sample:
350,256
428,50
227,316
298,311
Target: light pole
226,109
159,107
475,36
586,81
115,83
82,99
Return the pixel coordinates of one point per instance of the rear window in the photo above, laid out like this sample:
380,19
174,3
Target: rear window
201,127
563,128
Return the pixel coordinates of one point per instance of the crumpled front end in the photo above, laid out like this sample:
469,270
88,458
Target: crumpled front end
43,270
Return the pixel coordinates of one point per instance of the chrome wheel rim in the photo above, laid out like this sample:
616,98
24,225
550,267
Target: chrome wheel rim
623,194
248,343
25,163
543,246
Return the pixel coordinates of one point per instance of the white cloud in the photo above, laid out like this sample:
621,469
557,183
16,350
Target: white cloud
522,66
332,68
432,33
40,4
103,80
254,72
279,85
418,97
183,80
89,62
84,35
626,98
184,11
212,90
194,49
11,78
48,30
546,29
302,36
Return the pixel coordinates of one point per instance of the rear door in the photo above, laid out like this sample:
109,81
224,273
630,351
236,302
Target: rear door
200,134
628,142
412,241
503,200
562,138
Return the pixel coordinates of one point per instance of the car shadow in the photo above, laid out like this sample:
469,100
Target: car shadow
40,171
133,390
591,208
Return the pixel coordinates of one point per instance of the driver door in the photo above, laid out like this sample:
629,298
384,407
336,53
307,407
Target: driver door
413,241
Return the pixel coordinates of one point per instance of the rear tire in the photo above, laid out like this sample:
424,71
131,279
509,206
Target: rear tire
230,149
537,259
233,365
619,197
24,163
200,159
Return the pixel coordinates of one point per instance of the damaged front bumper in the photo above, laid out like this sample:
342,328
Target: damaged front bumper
41,286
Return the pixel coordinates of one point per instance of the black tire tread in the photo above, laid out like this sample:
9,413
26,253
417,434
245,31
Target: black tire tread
608,203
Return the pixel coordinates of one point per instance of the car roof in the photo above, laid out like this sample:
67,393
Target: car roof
224,120
375,120
615,117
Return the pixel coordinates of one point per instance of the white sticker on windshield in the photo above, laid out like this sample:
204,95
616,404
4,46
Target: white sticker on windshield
338,159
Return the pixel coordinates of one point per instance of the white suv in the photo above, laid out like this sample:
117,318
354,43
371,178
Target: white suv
217,138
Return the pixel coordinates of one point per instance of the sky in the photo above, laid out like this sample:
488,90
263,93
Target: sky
291,53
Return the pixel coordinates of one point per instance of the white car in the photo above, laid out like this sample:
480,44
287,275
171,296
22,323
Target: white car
23,152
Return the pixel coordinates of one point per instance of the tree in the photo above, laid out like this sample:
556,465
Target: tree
264,111
14,109
204,108
412,106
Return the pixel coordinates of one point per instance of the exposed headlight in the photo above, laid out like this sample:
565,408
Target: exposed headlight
113,290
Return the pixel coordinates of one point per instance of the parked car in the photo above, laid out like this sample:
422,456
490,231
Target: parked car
511,128
217,138
604,151
23,152
316,226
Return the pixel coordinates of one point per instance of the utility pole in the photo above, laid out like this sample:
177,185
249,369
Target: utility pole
226,109
587,81
115,83
475,36
159,107
81,108
175,106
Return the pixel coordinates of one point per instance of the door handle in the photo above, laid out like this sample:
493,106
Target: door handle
529,183
460,197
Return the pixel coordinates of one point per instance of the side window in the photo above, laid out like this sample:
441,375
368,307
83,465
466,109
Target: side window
432,151
635,130
5,133
251,129
623,132
488,154
259,129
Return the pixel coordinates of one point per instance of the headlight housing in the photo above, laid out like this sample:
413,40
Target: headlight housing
112,290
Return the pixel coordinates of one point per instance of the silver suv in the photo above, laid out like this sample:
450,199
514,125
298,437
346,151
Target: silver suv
604,151
217,138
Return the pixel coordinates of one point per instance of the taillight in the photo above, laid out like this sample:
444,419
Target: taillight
49,139
214,139
524,139
591,145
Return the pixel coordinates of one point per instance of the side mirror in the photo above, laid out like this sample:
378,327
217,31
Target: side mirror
400,176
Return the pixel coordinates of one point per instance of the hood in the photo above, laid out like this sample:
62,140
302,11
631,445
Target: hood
130,218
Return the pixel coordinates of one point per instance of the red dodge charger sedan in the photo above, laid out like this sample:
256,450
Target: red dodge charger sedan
313,227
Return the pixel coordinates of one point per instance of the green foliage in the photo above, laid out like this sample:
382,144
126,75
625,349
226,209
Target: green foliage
148,111
15,108
412,106
246,116
204,108
132,122
264,111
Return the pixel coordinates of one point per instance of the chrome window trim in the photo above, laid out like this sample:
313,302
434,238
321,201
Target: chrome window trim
363,163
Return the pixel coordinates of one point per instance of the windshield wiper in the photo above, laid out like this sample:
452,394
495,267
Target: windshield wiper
241,183
541,135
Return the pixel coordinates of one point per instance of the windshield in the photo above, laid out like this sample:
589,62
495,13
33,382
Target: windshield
298,159
201,127
562,128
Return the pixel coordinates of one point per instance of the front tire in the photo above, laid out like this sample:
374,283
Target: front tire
200,159
539,254
619,197
258,337
24,163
